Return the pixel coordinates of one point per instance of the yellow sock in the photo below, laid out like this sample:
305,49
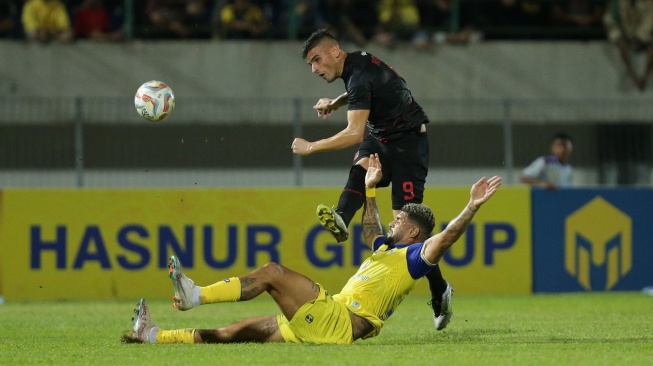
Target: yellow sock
176,336
227,290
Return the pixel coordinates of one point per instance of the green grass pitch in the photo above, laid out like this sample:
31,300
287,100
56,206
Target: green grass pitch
560,329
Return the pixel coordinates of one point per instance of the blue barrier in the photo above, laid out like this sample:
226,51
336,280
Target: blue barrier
592,239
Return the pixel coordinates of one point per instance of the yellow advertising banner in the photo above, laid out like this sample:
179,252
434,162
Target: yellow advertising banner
114,244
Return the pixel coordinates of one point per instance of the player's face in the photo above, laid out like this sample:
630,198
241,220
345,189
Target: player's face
399,228
324,62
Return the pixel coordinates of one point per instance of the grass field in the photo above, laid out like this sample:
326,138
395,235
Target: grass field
570,329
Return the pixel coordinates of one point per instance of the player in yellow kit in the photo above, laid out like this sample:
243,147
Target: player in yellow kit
308,313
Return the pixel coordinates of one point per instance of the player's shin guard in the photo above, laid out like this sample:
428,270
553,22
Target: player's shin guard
227,290
176,336
352,197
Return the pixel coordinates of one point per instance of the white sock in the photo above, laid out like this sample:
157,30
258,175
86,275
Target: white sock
150,337
195,296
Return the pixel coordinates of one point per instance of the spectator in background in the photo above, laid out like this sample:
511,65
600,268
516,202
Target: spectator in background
8,18
242,19
629,24
351,20
177,19
552,171
514,19
581,13
46,20
91,21
305,16
399,20
276,13
165,18
436,17
197,18
534,12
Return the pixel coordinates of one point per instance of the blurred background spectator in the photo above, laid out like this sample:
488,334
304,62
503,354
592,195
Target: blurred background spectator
399,20
514,19
8,18
46,21
172,19
242,19
197,18
421,22
351,20
629,24
446,24
579,13
92,20
303,19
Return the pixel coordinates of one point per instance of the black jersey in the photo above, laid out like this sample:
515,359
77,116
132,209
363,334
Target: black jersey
373,85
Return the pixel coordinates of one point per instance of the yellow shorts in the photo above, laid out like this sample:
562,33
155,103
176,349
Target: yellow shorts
321,321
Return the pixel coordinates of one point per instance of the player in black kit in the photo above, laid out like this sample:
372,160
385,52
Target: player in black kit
377,97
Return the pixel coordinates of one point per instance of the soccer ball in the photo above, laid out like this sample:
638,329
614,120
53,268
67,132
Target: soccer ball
154,100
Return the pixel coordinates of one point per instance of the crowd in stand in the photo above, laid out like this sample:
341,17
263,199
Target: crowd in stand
421,22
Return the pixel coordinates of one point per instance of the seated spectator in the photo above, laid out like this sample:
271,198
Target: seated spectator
165,18
46,20
399,20
305,17
242,20
581,13
351,20
91,21
629,24
176,19
8,18
514,19
535,13
436,18
197,18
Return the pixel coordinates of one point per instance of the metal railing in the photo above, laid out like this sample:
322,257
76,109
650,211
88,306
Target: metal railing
283,116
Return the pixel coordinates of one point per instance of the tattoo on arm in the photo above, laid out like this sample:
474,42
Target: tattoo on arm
371,221
458,226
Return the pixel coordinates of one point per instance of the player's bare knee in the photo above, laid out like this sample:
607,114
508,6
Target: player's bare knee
274,269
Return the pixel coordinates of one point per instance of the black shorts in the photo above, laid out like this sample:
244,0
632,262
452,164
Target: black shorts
404,163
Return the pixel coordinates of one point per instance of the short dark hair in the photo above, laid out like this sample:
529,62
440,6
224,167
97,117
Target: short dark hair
561,136
314,39
422,216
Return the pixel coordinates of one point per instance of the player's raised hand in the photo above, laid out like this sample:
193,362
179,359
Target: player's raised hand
325,106
484,189
374,172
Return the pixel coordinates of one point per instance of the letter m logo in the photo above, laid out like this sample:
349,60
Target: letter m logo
598,244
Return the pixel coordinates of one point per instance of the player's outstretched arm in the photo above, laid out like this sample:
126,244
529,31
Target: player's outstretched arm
372,227
437,245
353,134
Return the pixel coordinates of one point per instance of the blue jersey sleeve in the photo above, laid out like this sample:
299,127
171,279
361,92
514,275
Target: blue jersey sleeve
417,267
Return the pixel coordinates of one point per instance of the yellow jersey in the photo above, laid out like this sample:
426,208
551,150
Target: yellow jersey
45,16
383,280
